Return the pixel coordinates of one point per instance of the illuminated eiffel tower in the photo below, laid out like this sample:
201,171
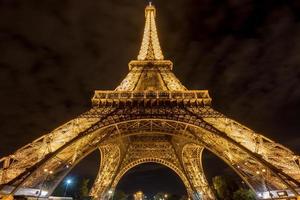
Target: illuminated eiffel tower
152,117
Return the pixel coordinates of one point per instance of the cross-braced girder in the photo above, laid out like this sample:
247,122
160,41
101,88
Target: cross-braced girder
192,161
110,160
157,148
120,124
125,125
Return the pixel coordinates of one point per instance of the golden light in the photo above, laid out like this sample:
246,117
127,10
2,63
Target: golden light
150,49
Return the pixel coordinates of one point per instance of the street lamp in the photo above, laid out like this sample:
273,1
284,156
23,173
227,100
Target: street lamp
68,182
110,193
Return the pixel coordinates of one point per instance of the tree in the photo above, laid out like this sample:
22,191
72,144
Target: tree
159,196
243,194
120,195
224,187
221,187
84,188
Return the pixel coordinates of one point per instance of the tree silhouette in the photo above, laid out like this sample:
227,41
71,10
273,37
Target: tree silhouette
84,188
243,194
224,187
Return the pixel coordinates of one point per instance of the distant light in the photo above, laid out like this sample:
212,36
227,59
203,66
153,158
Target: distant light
110,191
51,172
259,194
45,170
282,193
69,181
263,170
44,193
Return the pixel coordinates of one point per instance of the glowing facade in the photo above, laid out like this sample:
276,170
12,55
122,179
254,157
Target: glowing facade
152,117
150,49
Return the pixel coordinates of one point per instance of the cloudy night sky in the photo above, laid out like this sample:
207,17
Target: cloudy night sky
55,53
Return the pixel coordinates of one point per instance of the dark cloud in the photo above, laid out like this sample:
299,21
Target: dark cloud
247,54
54,53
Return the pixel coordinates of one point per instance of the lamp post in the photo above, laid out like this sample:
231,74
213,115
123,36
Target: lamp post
68,182
110,194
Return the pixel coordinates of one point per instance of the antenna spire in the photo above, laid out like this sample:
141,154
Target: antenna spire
150,49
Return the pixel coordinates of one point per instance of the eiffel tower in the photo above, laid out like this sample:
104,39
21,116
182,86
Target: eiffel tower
152,117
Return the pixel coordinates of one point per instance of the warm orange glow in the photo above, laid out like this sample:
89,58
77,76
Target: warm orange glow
150,49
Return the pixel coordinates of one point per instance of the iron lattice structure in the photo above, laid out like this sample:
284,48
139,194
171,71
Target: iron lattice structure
152,117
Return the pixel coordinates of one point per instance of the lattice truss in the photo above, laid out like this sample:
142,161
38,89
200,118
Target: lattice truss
150,49
151,117
254,158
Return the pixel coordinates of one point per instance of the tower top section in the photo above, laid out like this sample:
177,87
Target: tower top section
150,80
150,49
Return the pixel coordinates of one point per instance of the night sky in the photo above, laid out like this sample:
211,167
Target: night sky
55,53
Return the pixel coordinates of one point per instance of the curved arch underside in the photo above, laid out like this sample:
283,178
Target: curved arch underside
174,135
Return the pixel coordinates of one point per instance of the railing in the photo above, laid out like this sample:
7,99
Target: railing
278,194
190,96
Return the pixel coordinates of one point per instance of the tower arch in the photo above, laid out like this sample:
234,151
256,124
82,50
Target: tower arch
199,134
163,162
152,111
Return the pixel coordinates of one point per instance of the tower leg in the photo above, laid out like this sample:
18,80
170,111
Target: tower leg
110,160
191,159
